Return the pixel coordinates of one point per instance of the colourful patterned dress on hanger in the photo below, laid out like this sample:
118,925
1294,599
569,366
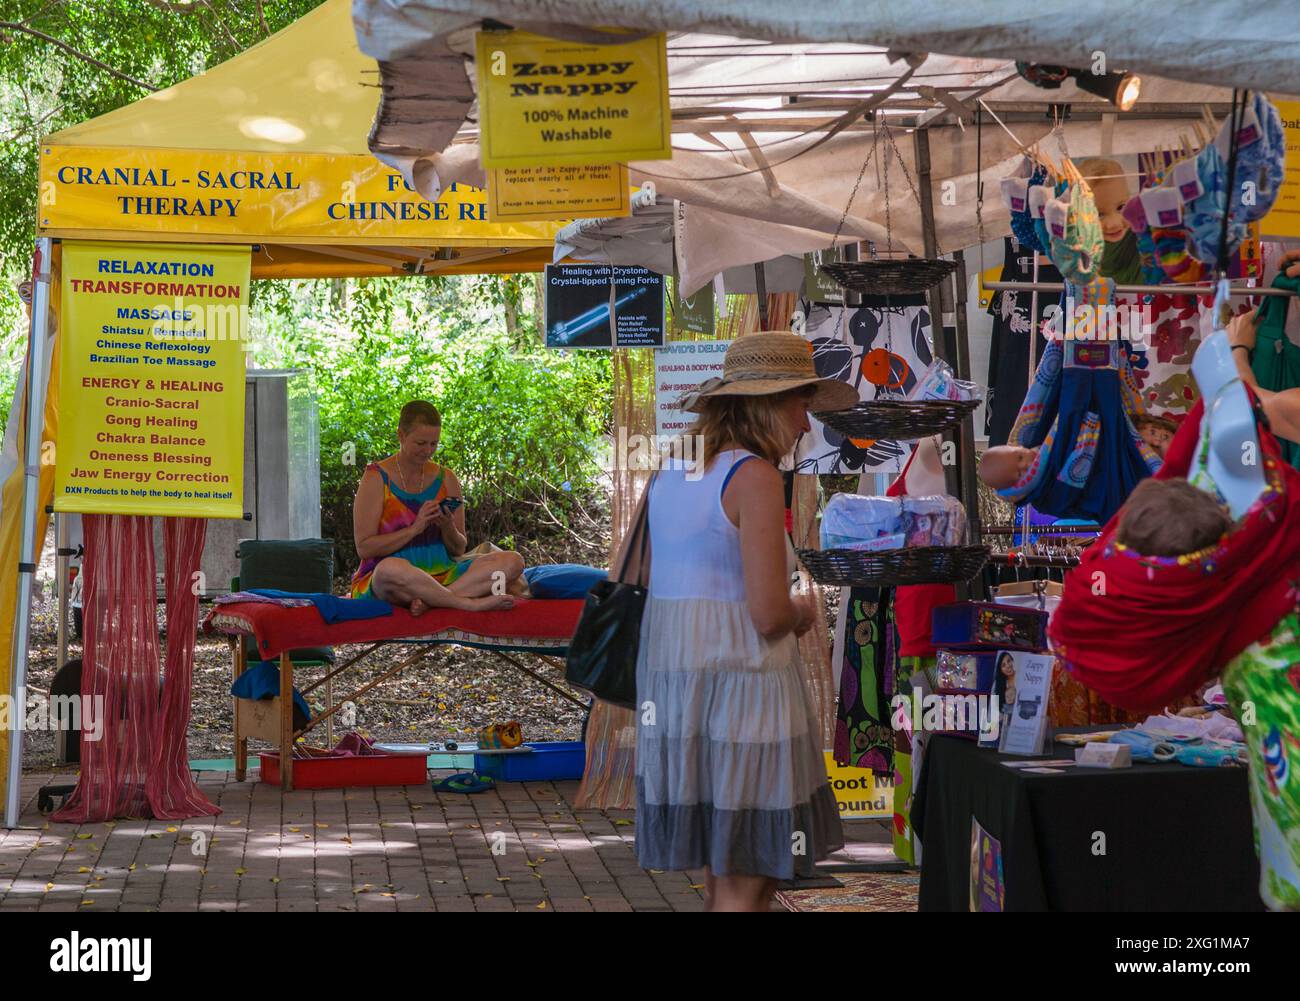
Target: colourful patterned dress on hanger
1079,415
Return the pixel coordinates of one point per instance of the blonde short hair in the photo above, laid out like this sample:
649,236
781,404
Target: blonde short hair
752,422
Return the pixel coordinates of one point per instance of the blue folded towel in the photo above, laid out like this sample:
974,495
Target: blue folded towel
262,681
333,608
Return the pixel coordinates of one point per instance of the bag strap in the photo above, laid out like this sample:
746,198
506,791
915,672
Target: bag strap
639,536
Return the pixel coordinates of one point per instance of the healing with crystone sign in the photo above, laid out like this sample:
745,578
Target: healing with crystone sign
549,102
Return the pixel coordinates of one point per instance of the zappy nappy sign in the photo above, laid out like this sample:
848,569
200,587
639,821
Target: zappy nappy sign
152,380
546,101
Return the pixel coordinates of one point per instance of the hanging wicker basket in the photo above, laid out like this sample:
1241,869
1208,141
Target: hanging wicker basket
897,420
885,277
919,565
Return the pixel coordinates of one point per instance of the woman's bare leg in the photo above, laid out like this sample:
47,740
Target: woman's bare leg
396,581
743,893
482,574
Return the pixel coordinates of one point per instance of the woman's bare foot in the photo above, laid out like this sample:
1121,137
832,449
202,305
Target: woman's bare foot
519,587
418,607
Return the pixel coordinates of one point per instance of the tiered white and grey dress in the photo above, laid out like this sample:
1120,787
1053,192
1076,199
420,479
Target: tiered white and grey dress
729,765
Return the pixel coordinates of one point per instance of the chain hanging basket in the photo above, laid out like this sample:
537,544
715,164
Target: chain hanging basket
907,276
897,420
918,565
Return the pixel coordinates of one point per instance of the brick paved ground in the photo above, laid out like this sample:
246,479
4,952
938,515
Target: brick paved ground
522,847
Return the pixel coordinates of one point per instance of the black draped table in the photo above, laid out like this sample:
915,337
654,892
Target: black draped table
1151,837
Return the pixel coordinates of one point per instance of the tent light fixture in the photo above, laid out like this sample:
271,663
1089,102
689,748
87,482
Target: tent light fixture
1120,89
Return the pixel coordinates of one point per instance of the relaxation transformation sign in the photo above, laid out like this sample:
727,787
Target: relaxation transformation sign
151,380
546,101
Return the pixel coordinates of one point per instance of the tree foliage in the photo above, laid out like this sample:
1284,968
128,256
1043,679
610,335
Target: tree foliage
65,61
521,424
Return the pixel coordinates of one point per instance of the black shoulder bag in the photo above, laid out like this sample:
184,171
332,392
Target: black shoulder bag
603,651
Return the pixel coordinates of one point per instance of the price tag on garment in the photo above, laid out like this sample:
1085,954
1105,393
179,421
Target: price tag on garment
1098,755
547,101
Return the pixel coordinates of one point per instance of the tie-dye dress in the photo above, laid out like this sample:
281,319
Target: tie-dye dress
426,550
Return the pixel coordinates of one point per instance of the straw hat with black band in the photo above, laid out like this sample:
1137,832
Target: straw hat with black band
767,363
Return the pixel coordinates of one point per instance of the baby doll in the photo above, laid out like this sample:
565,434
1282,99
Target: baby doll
1157,432
1110,190
1171,518
1003,466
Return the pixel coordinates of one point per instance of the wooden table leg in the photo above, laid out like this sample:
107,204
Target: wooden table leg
286,722
329,704
239,661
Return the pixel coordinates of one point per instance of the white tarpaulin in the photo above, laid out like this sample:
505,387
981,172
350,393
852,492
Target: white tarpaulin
762,166
1257,46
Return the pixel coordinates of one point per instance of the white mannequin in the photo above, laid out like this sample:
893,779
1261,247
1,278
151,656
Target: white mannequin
925,474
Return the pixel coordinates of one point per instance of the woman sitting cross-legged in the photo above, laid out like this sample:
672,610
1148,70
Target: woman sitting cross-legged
409,526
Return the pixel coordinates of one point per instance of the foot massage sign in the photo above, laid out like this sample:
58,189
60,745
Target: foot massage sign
152,380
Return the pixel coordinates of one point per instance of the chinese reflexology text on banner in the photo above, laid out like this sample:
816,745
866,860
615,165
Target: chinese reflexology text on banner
152,380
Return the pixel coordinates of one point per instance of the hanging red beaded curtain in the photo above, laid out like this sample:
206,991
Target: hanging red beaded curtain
135,712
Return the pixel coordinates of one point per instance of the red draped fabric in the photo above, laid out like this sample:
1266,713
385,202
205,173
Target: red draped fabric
1160,627
139,766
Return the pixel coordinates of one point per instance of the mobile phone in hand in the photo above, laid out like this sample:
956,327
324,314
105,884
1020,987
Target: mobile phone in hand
449,504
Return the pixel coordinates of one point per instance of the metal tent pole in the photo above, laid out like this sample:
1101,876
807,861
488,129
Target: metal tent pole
969,489
959,478
35,422
1237,291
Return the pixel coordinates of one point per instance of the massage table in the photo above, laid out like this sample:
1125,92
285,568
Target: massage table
533,626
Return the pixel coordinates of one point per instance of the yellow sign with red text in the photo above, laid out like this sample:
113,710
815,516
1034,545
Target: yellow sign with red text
308,198
547,101
151,380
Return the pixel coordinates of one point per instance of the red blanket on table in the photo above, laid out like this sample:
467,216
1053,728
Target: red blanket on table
532,623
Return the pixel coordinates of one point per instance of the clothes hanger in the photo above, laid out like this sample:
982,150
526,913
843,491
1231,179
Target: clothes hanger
1048,588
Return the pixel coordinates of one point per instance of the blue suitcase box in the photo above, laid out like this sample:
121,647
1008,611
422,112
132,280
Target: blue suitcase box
986,625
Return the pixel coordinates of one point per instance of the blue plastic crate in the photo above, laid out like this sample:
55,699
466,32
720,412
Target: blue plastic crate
550,761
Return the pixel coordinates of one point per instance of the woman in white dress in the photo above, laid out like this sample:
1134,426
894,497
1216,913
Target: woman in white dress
729,766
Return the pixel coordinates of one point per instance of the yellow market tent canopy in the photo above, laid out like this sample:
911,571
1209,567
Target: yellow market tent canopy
270,148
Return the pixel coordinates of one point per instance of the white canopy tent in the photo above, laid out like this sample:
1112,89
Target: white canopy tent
772,121
776,107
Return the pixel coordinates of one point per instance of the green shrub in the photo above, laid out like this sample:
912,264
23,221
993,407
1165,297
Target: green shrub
521,424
